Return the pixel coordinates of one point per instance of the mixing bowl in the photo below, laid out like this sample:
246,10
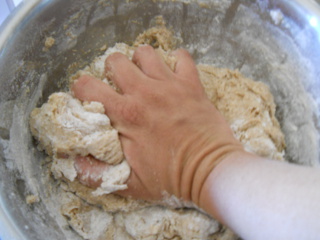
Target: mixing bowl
273,41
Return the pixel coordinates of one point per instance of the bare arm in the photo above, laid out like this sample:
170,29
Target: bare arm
264,199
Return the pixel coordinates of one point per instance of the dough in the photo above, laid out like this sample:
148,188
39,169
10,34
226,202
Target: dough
248,107
65,127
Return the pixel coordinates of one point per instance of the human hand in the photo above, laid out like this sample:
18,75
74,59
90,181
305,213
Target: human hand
171,134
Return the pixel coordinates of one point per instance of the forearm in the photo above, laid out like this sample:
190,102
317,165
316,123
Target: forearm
264,199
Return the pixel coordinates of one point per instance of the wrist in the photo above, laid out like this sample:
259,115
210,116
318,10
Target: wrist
211,191
208,164
197,161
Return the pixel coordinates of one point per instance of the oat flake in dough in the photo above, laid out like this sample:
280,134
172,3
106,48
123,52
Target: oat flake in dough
247,105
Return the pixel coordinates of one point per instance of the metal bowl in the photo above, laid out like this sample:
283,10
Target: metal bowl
273,41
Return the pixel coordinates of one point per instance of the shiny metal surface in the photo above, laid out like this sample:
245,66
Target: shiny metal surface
277,34
6,7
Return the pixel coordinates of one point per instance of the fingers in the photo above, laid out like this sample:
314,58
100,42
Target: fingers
134,184
151,63
88,88
185,66
123,72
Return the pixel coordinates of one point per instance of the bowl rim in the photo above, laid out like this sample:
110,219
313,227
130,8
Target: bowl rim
14,19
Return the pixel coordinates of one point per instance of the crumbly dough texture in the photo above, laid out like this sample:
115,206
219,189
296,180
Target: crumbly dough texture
65,127
248,107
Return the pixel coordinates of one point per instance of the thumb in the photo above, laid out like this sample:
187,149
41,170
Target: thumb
90,170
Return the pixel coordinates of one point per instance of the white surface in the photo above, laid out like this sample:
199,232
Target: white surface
5,8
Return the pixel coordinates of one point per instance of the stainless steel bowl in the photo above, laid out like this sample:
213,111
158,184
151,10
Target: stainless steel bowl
273,41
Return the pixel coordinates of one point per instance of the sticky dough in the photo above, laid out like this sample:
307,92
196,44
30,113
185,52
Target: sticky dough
66,127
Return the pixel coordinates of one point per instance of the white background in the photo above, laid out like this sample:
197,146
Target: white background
6,6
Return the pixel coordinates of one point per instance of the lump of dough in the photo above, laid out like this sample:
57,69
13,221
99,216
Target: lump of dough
249,109
90,222
63,168
161,223
65,127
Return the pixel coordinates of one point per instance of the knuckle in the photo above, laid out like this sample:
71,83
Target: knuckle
80,86
181,53
184,52
141,51
84,81
156,98
131,113
145,48
114,58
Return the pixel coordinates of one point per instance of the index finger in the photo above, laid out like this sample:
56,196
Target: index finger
88,88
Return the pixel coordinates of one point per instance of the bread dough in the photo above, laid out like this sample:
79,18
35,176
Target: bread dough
65,127
248,107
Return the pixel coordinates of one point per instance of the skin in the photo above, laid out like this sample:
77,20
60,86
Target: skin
177,142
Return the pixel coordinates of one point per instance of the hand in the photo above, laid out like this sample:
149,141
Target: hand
171,134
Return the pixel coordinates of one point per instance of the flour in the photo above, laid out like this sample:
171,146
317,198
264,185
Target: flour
63,168
65,127
113,179
31,199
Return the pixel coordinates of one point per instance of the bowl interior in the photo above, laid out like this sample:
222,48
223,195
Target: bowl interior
276,42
